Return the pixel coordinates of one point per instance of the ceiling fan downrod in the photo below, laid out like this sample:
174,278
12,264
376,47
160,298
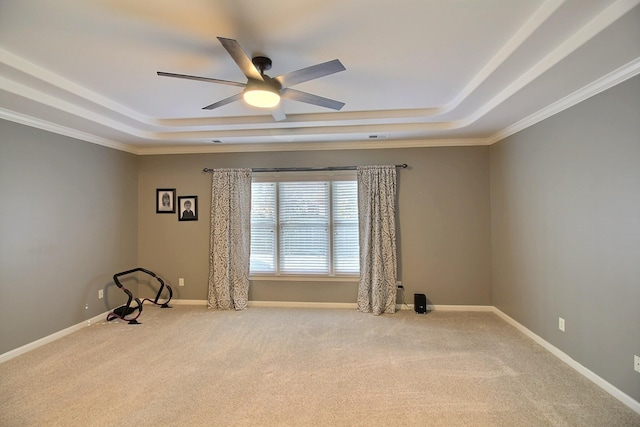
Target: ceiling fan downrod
262,63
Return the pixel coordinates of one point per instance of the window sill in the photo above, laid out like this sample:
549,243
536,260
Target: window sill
309,278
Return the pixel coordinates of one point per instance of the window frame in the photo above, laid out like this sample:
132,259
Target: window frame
299,176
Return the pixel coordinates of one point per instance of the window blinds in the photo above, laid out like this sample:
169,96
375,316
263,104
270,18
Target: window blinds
307,227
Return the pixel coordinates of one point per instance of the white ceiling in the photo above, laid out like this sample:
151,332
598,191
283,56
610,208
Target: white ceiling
418,72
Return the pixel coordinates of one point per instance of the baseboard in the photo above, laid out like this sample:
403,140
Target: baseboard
50,338
351,305
485,308
310,304
292,304
188,302
600,382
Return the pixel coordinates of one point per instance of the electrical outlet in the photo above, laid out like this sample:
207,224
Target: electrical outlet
561,324
181,281
100,294
636,363
399,285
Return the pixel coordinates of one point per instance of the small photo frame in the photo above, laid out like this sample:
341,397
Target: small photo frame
166,200
188,206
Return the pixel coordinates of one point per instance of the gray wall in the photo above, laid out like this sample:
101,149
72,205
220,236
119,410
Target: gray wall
565,203
443,222
67,224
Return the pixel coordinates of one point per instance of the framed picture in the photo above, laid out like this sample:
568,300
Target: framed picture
166,200
188,208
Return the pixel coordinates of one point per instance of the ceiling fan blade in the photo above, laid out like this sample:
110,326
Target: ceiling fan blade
297,95
203,79
225,101
241,58
310,73
278,113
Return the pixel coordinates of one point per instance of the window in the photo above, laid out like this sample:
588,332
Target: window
303,225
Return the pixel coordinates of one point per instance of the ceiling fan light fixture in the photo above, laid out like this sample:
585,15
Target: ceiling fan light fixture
261,96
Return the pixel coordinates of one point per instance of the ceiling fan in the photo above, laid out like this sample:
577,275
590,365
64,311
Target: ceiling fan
263,91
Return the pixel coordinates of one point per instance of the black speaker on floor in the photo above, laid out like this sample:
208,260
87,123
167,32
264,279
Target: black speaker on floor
420,303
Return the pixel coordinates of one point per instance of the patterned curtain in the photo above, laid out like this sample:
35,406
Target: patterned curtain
230,242
376,211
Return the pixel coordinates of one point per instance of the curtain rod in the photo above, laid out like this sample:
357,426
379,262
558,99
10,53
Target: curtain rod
326,168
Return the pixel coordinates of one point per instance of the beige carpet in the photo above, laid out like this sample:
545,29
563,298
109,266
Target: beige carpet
190,366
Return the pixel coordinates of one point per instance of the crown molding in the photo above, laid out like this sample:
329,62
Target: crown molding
612,79
66,131
570,45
